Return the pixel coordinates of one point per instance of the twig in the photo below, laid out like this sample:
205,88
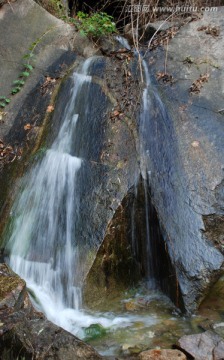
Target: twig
156,32
10,6
165,64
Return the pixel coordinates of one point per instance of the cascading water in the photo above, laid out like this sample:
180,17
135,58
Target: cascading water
145,172
42,245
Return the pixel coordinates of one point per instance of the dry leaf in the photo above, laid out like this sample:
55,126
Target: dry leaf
50,108
182,107
27,127
166,78
198,84
195,144
201,28
116,113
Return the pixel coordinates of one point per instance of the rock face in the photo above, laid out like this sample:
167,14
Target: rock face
27,332
115,268
184,143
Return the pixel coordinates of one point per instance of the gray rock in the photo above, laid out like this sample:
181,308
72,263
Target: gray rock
205,346
184,140
157,27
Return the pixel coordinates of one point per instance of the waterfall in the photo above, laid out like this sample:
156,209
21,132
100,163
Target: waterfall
146,112
159,270
123,42
42,247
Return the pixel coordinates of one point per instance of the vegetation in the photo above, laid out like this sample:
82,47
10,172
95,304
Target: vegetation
19,83
4,101
92,25
25,73
95,25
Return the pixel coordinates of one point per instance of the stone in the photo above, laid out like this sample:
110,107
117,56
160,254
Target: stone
42,339
131,306
162,355
205,346
12,291
157,27
218,327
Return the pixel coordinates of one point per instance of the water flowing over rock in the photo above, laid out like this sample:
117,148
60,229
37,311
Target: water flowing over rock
24,123
26,332
42,245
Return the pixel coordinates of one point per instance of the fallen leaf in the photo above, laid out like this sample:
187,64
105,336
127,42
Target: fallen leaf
182,107
27,127
195,144
201,28
50,108
116,113
164,77
198,84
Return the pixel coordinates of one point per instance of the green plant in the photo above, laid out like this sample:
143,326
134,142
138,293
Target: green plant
95,25
4,101
27,68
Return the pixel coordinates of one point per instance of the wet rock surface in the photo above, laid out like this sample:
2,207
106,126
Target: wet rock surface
26,332
183,139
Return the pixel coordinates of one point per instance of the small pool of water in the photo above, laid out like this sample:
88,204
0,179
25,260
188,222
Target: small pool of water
136,321
150,320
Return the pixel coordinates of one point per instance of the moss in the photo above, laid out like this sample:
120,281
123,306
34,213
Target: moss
9,282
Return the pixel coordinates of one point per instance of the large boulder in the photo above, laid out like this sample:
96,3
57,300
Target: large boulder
184,150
